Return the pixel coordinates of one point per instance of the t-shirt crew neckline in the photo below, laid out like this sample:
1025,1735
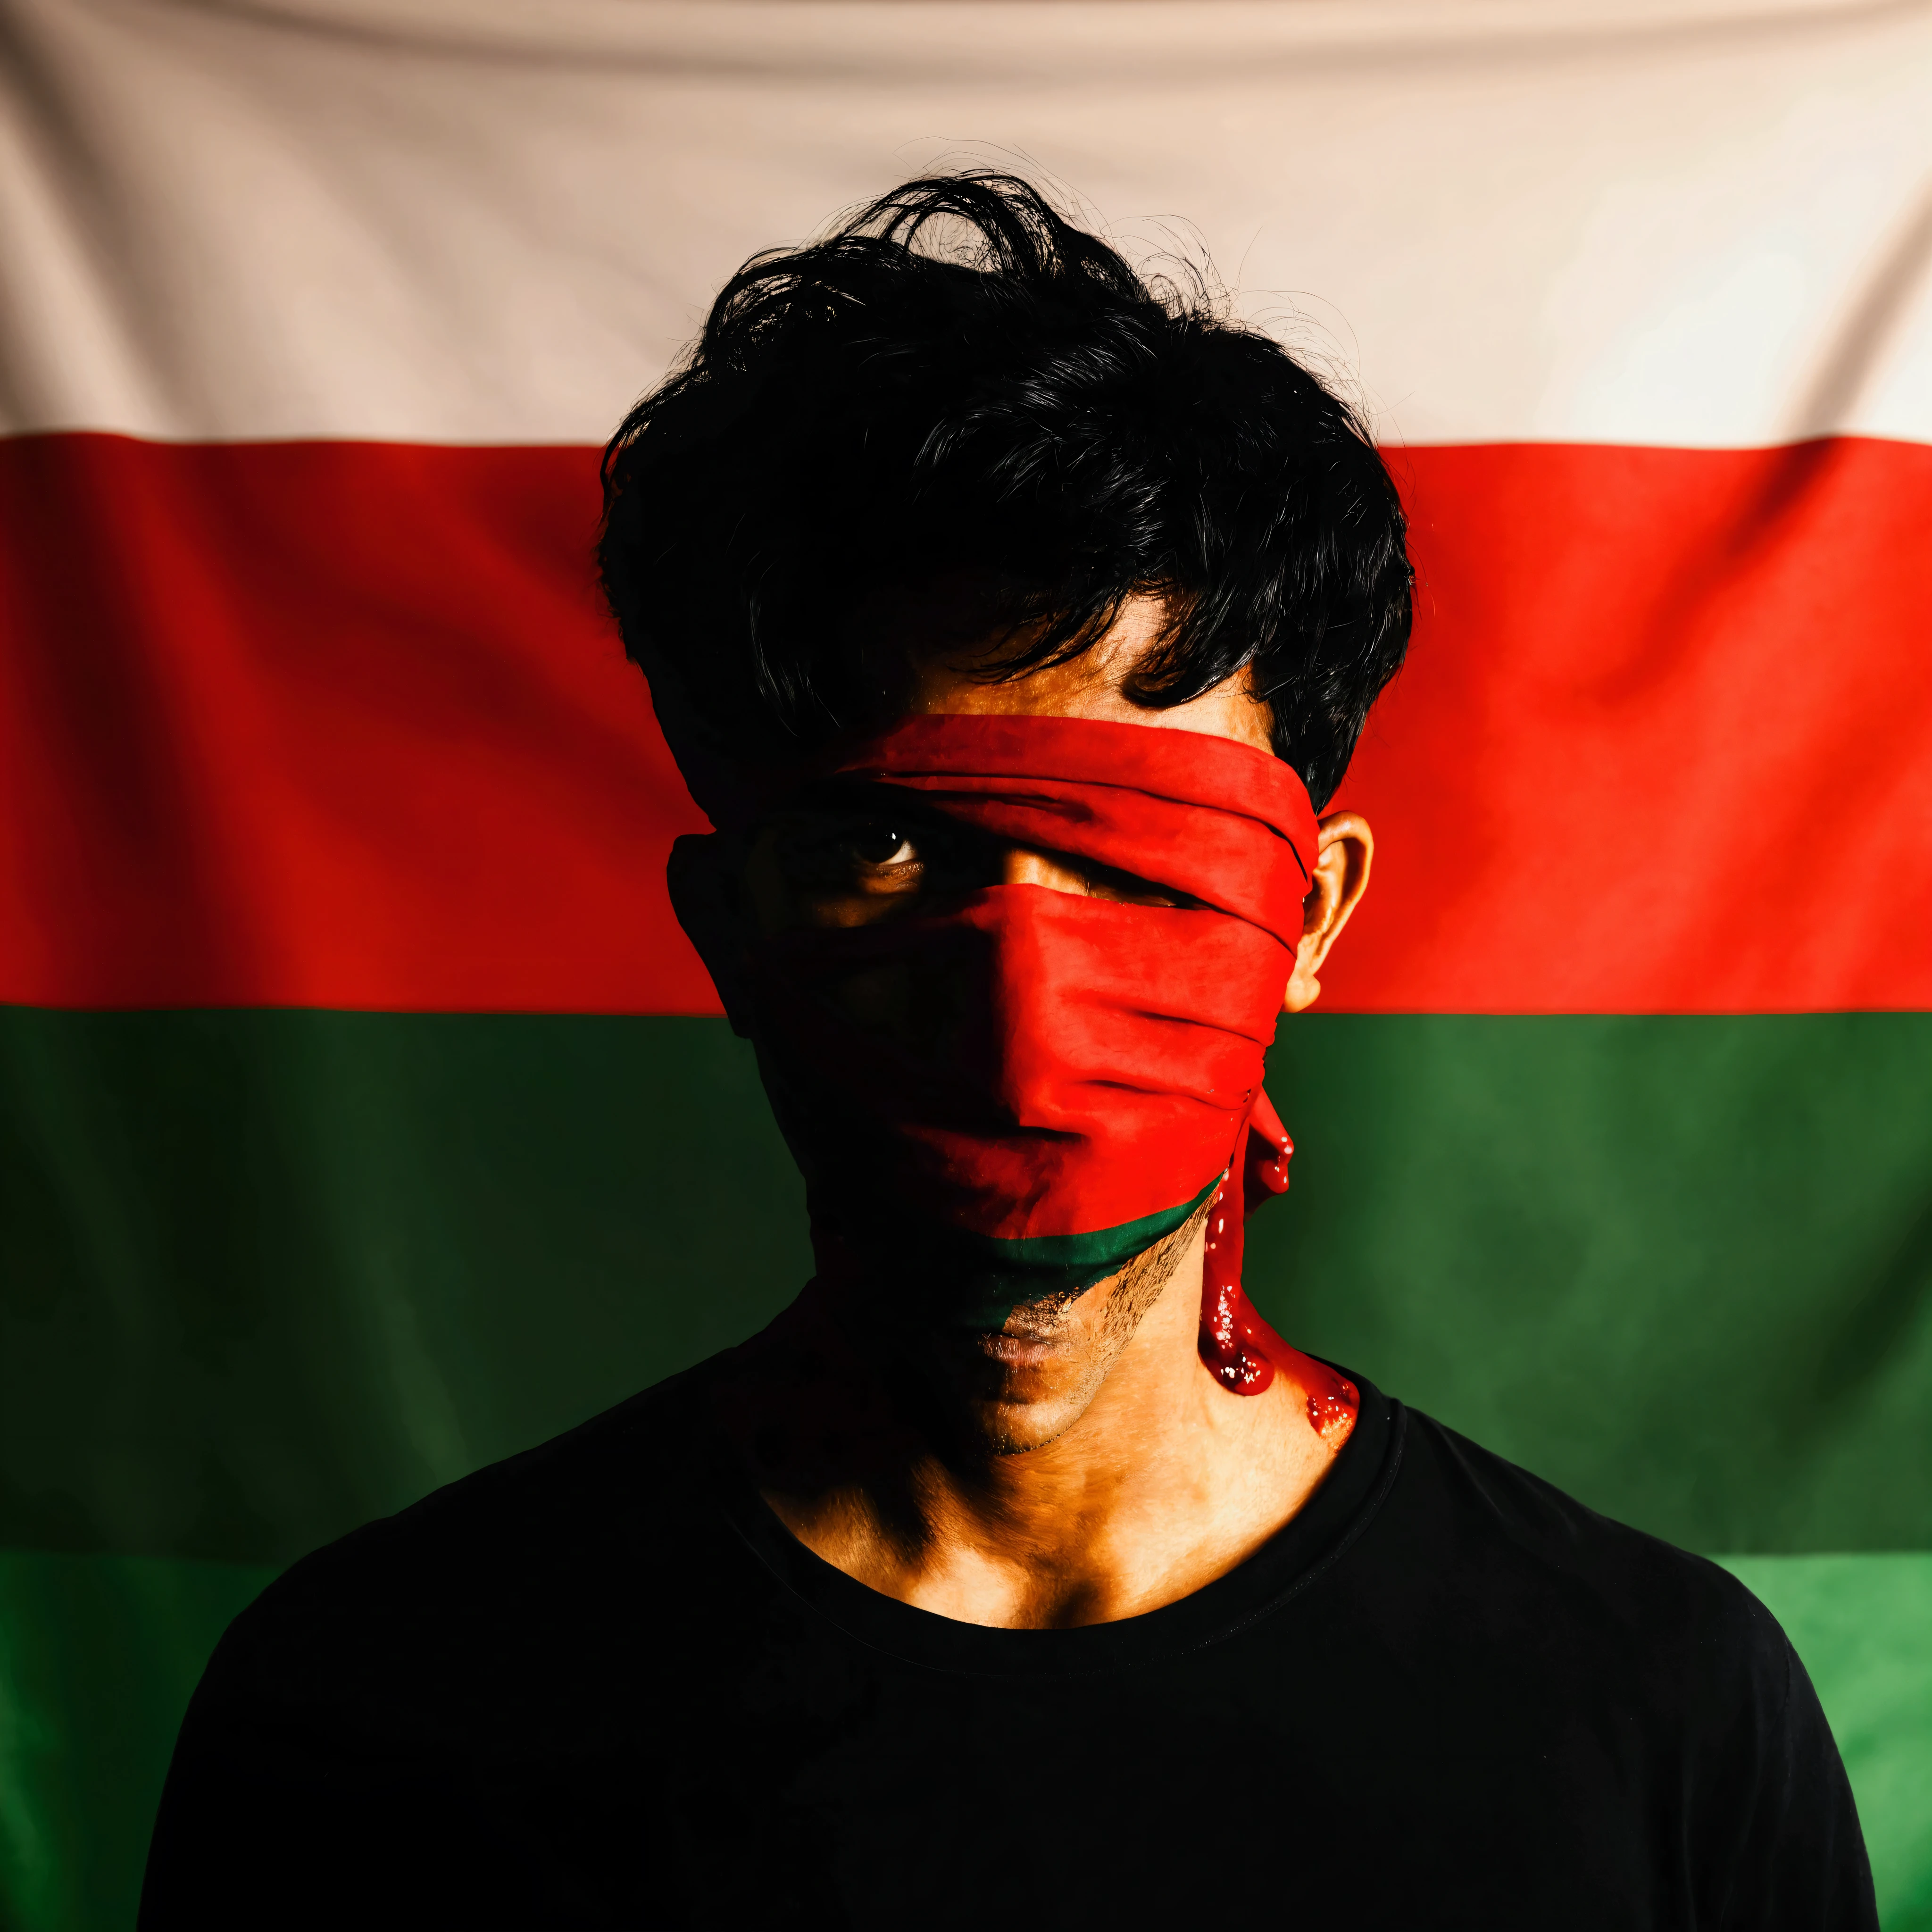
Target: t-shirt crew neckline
1294,1559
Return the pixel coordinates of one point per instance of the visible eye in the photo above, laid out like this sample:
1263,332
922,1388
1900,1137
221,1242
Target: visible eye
880,846
845,852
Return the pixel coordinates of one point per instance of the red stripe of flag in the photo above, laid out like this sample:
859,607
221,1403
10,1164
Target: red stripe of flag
341,725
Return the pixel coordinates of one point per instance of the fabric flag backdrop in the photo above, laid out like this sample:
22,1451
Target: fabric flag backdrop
364,1117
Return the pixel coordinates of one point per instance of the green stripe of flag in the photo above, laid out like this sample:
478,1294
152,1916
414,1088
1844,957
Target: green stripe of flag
1681,1266
267,1273
98,1658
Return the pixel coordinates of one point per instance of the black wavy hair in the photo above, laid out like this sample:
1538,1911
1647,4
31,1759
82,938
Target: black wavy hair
956,383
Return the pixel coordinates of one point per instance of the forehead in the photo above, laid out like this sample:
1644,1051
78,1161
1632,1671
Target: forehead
947,650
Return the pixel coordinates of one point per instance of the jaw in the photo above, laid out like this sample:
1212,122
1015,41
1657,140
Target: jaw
1006,1391
1015,1389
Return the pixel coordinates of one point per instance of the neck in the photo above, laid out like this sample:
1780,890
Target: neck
1145,1478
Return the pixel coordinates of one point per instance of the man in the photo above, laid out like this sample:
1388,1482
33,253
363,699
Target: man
1009,616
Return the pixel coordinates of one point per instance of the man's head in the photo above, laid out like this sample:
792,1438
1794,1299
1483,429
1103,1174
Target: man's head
958,461
957,400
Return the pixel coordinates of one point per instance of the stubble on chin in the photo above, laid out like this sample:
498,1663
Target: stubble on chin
1013,1428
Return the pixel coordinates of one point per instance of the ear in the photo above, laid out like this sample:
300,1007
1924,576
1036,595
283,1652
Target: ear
707,896
1344,852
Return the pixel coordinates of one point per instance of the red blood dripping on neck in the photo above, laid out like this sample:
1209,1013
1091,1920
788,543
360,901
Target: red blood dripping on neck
1334,1407
1234,1338
1240,1349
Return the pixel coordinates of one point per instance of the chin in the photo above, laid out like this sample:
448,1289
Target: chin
1006,1407
1016,1431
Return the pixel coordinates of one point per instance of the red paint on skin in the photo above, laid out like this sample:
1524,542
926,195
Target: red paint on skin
1239,1350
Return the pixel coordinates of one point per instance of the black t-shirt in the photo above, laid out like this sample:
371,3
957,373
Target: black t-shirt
600,1684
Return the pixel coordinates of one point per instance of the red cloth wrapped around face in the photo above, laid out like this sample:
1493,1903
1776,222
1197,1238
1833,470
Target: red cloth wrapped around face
1089,1068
